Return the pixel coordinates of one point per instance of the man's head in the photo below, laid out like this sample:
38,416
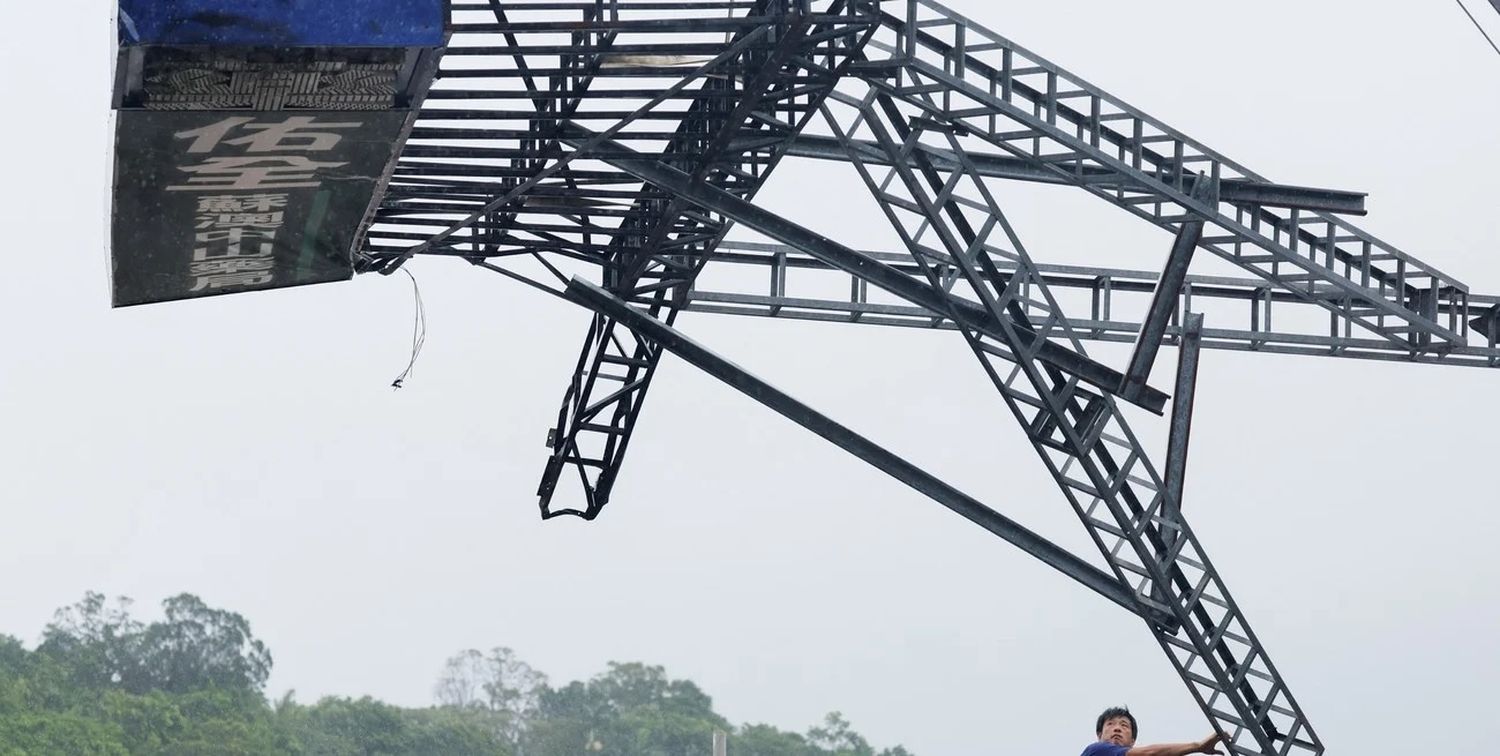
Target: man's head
1116,725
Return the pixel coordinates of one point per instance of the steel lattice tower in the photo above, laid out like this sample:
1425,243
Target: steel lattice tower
601,150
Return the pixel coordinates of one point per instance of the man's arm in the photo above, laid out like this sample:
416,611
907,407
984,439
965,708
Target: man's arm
1178,749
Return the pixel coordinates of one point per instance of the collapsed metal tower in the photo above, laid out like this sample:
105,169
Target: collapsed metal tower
602,149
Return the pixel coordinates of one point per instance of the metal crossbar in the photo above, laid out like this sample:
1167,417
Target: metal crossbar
1247,314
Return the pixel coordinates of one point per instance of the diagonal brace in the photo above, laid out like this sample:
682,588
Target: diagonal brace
967,313
923,482
1182,412
1239,191
1164,299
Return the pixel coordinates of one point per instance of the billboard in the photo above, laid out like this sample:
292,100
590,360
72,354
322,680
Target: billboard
217,202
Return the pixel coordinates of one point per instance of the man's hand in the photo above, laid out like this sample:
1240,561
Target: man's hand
1208,743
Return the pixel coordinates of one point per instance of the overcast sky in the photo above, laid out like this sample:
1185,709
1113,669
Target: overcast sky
250,449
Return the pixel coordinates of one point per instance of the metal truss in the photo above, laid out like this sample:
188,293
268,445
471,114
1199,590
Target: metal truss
950,222
777,281
1081,436
601,150
1033,110
780,93
730,134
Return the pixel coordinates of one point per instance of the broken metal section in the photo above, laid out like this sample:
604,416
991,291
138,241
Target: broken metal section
1189,346
929,485
1165,299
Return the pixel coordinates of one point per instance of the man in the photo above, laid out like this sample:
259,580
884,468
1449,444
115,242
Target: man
1116,732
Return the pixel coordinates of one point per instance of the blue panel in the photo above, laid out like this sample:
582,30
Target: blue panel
300,23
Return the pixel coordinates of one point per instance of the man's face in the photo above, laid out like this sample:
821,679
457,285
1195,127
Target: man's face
1117,730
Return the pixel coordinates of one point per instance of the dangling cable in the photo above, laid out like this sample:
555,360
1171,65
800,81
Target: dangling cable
418,330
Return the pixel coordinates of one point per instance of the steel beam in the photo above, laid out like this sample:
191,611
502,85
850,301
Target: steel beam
1239,191
923,482
968,313
1488,322
1182,411
1164,300
1249,315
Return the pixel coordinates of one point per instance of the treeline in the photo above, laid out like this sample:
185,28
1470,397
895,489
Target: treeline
193,683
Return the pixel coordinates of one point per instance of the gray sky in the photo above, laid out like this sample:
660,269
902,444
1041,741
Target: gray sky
249,448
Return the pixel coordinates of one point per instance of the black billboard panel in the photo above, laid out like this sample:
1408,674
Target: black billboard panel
216,202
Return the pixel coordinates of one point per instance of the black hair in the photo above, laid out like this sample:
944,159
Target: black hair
1111,713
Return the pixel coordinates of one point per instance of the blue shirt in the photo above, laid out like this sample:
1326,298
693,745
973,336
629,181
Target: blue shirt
1105,749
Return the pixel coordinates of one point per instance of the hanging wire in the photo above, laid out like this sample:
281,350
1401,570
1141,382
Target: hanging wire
1475,21
418,330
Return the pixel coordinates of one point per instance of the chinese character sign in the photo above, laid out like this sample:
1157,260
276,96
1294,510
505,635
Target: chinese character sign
218,202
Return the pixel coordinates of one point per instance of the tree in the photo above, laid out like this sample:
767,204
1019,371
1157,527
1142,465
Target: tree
39,732
765,740
461,684
631,709
102,683
499,684
232,721
569,719
357,727
633,686
837,736
97,642
198,647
